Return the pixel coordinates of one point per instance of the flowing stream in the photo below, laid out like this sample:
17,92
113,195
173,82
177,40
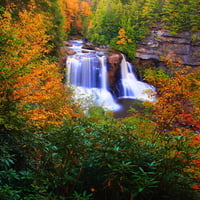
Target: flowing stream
87,73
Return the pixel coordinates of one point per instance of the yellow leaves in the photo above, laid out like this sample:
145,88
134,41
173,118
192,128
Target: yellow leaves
32,31
123,39
175,14
121,33
33,84
26,38
145,10
5,21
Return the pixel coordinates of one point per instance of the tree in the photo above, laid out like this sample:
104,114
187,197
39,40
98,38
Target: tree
104,24
76,13
181,15
29,82
177,103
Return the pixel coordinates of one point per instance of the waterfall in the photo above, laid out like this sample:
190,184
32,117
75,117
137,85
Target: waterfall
87,73
130,86
104,79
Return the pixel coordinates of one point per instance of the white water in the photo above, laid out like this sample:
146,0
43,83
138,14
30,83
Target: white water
87,74
130,87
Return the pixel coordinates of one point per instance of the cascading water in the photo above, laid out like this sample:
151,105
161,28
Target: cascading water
87,73
130,87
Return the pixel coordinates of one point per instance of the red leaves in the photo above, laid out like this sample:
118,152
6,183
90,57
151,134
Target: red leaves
187,119
177,100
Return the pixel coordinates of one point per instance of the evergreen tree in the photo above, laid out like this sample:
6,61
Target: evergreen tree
105,21
182,15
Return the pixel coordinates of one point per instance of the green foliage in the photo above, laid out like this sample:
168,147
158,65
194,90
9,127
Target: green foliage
17,176
83,196
105,21
97,157
121,163
57,29
182,15
137,17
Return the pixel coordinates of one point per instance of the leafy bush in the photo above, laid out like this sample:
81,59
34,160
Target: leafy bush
114,159
118,163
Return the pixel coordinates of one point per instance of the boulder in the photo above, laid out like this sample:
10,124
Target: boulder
70,52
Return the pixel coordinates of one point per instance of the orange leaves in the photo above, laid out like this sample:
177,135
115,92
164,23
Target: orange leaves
85,8
123,39
32,31
28,81
42,96
188,120
195,142
76,11
26,39
175,14
146,9
176,97
176,111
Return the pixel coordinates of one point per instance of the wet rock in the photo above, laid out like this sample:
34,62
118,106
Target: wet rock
85,51
63,53
89,46
114,58
66,51
68,44
100,53
114,63
69,52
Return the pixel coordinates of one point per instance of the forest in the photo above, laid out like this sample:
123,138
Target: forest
51,150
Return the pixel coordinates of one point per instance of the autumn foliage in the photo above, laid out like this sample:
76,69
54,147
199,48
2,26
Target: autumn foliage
28,79
48,150
123,39
77,12
177,96
176,110
42,96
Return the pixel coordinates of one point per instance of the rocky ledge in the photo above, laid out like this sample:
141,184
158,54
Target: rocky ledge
160,43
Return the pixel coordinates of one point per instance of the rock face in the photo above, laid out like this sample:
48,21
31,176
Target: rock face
63,53
160,43
114,61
